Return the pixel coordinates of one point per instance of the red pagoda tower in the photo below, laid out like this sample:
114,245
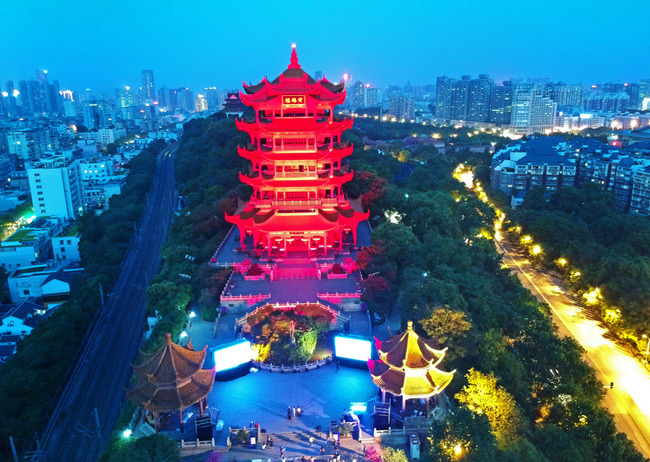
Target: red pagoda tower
296,153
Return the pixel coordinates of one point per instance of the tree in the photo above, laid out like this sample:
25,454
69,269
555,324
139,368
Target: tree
449,328
398,242
152,448
482,395
465,435
389,454
535,199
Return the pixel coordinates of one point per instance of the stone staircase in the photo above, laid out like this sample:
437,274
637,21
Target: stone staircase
297,271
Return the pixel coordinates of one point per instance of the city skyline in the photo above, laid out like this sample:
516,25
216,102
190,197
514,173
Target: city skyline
105,46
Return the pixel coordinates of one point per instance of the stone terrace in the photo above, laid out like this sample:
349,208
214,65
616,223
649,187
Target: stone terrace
228,250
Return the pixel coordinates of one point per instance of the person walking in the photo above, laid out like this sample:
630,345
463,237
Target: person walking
281,452
270,441
311,441
289,413
322,449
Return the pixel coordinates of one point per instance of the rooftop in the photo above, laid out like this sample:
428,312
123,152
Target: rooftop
22,235
71,231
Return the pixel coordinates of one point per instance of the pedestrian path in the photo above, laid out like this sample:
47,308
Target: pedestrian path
296,445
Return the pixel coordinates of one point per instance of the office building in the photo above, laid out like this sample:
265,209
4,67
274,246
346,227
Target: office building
532,112
148,87
443,97
55,186
479,98
501,103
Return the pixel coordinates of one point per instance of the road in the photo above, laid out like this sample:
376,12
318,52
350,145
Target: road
91,402
629,400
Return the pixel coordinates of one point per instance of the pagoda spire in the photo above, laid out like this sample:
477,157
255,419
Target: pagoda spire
294,58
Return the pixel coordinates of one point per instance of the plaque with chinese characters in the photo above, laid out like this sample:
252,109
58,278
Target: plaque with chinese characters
293,100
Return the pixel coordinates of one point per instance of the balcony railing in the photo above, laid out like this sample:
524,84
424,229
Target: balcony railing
306,175
332,202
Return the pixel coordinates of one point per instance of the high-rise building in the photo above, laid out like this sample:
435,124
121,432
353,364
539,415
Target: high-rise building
54,101
163,97
532,112
479,98
185,99
567,97
201,104
55,186
371,96
633,91
148,87
26,99
69,106
644,89
90,115
443,97
356,91
212,98
501,103
98,114
125,105
29,143
603,102
460,99
10,104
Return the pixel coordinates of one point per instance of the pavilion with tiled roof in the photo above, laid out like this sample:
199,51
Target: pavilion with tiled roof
408,367
171,379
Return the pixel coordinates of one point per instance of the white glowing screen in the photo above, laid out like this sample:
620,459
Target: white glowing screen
232,356
352,348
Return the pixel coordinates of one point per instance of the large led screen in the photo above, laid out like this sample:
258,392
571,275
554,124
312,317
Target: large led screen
352,348
232,355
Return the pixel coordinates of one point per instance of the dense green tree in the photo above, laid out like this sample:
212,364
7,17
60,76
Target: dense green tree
450,329
465,435
154,448
482,395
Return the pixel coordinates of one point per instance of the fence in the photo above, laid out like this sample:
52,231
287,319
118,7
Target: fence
293,368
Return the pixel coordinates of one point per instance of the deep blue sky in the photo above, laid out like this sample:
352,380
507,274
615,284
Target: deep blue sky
103,44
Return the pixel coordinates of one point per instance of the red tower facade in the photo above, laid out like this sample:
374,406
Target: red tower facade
297,173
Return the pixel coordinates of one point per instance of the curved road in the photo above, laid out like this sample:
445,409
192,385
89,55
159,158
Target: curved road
629,400
92,400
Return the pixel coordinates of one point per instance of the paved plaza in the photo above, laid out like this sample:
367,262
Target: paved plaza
264,397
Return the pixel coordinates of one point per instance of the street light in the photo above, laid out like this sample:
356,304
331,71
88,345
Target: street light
126,433
647,347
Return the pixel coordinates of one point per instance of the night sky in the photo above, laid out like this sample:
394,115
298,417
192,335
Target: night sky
104,44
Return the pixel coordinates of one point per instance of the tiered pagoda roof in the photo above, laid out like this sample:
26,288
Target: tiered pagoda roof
171,379
297,169
294,79
408,366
